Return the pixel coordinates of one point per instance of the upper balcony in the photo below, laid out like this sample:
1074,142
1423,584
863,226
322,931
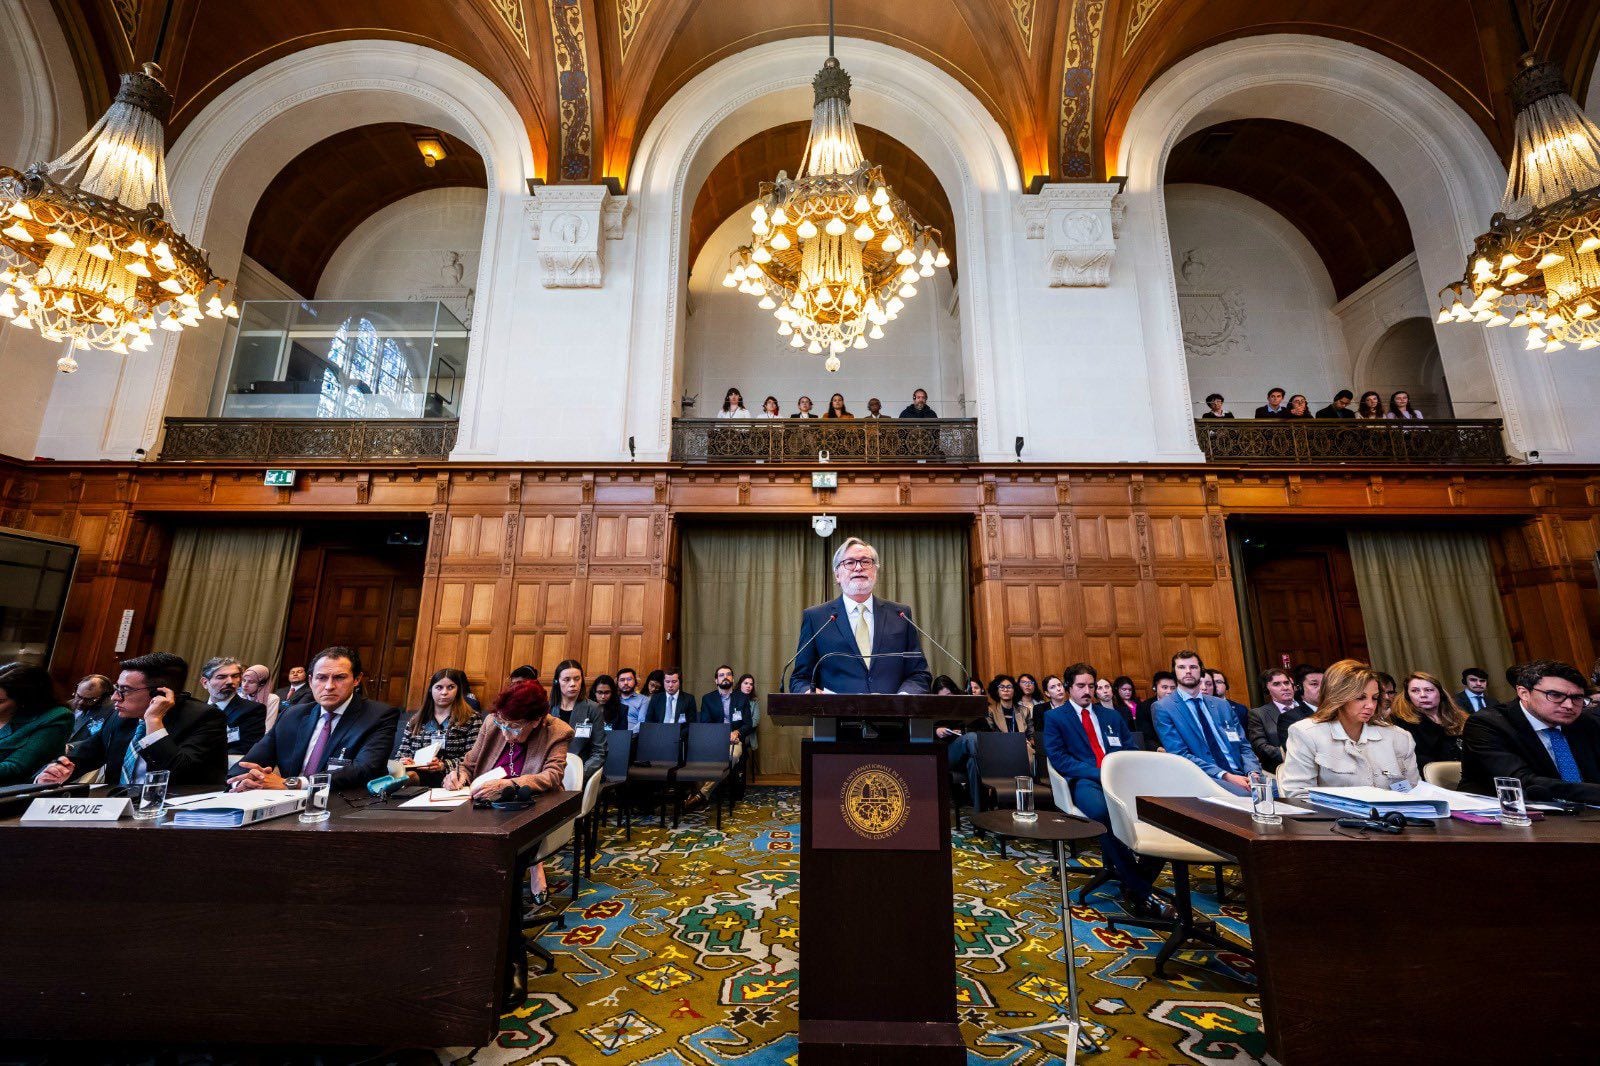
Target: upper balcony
810,440
1317,442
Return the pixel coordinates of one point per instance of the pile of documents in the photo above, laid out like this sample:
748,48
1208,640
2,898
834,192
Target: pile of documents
228,810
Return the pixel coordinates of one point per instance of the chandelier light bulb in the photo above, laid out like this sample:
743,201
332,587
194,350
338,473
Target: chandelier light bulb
835,227
18,232
779,241
761,255
861,342
876,333
863,233
797,341
806,230
862,205
831,364
66,364
908,290
780,217
784,329
941,260
880,197
891,243
814,348
885,214
767,303
758,214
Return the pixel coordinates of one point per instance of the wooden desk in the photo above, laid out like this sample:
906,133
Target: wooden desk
374,927
1465,943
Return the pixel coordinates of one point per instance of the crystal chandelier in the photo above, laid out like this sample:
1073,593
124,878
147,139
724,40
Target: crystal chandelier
86,253
835,254
1537,268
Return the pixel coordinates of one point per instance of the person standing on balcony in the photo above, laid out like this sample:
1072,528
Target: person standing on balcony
769,408
1400,407
1215,403
1299,407
875,408
733,405
919,406
1274,407
1371,406
1340,407
836,407
804,403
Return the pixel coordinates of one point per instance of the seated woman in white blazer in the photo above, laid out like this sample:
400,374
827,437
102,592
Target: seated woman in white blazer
1342,744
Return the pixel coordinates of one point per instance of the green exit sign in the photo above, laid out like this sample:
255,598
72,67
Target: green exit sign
281,479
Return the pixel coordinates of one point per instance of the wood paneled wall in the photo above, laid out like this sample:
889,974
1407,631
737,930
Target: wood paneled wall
1117,566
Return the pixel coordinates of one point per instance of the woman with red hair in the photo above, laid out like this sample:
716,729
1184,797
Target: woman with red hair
520,737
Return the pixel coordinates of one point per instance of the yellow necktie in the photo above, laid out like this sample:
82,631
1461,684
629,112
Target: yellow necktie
863,636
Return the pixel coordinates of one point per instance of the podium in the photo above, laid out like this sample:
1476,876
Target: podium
877,932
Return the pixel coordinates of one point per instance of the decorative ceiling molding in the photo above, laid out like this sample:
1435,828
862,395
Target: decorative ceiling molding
629,14
1023,11
128,16
1137,20
572,81
1086,20
515,20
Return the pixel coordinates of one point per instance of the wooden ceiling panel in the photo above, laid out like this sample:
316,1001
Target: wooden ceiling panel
733,182
1331,194
328,190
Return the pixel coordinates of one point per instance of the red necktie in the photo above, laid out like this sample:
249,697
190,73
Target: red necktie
1094,740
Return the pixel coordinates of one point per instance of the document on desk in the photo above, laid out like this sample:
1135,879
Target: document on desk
440,798
1360,800
1242,804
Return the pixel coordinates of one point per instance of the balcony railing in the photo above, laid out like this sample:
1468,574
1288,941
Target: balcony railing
1310,441
857,440
308,438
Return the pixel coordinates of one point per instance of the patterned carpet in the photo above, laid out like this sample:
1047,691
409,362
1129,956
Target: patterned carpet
684,951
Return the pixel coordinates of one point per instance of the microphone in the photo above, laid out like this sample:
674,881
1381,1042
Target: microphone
519,798
383,786
783,673
965,671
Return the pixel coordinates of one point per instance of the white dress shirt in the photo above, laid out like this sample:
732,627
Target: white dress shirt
1539,731
669,712
854,610
737,412
328,754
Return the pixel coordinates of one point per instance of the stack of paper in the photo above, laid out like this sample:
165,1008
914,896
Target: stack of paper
1361,801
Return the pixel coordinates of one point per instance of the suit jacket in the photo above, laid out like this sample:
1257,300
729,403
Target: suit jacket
738,707
687,708
1067,745
1180,734
1213,414
1321,754
1331,411
591,748
362,739
1464,701
836,662
1433,743
301,696
1500,743
1262,412
247,721
1267,734
912,412
1298,713
544,764
1145,724
194,751
89,723
32,743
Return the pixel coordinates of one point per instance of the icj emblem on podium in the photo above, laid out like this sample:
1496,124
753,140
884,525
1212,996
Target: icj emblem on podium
873,800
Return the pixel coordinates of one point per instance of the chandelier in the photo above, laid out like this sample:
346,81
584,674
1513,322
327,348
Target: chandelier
1537,267
835,253
86,253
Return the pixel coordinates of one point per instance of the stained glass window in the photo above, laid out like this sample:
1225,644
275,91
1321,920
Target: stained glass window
328,400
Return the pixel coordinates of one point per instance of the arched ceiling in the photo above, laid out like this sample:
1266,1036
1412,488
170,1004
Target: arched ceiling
732,183
1059,76
329,189
1333,196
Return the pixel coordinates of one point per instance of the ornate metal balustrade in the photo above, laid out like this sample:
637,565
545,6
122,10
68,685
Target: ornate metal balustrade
856,440
1306,440
308,438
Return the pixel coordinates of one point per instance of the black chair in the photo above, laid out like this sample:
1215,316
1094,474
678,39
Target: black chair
1002,758
707,760
657,759
614,780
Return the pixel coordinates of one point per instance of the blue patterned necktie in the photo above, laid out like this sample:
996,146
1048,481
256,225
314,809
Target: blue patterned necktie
130,758
1561,752
1206,731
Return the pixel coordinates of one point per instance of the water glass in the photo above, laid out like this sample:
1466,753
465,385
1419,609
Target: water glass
150,795
1513,809
1263,802
316,808
1025,811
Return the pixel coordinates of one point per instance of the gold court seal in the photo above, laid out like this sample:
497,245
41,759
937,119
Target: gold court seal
873,801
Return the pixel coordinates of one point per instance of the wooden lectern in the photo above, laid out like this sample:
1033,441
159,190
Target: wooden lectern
877,953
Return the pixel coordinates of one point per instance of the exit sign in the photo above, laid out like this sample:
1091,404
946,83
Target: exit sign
281,479
825,479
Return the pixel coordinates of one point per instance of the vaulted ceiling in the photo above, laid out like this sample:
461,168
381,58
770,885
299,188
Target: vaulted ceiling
587,76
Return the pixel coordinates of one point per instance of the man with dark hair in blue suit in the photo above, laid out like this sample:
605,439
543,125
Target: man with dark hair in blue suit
1204,729
1077,738
858,643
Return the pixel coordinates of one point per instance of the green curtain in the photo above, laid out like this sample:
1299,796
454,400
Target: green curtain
227,593
744,586
1430,602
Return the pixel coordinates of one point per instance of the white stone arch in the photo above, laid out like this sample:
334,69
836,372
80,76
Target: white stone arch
893,91
1437,160
225,159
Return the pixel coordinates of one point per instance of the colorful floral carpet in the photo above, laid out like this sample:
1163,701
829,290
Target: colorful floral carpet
684,951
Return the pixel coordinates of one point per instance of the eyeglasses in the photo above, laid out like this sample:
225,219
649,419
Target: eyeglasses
858,564
123,690
1570,698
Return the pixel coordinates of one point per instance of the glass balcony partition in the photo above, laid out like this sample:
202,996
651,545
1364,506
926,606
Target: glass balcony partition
338,359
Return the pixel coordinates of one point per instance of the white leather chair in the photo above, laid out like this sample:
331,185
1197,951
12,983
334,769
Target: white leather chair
1127,775
1443,774
588,833
558,838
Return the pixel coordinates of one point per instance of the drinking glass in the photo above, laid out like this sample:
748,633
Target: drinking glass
150,795
1025,811
1513,810
1263,803
316,808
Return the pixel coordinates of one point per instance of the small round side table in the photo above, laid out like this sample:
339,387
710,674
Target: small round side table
1057,828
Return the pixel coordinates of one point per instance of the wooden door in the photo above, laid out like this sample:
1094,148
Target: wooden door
1304,605
369,603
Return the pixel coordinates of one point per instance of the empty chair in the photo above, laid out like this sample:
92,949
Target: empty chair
614,775
1127,775
708,759
1443,774
657,758
587,838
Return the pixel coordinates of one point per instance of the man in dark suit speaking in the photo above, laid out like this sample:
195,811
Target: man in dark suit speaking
858,643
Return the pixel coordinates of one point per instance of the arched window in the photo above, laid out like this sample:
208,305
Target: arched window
363,364
394,375
328,400
337,346
355,404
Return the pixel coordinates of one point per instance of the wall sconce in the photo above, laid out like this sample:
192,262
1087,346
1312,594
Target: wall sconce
431,145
